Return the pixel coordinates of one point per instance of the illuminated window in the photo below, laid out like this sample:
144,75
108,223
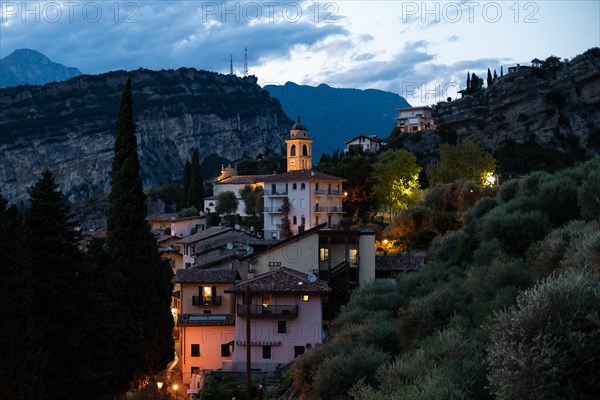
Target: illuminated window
266,300
305,298
323,254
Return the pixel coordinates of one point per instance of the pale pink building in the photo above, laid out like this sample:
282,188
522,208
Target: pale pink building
286,318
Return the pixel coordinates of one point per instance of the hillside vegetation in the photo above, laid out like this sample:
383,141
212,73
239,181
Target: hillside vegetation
506,307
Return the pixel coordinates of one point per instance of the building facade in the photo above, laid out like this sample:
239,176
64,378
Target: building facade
368,144
415,119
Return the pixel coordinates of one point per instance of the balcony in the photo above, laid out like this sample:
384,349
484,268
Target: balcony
277,192
328,209
331,192
208,301
275,210
260,311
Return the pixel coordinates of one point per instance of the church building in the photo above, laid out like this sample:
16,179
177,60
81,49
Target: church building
300,198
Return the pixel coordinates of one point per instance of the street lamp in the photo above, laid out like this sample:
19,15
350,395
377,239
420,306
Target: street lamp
159,385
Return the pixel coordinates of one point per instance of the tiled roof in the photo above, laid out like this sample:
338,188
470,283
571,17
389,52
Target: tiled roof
242,179
399,262
302,175
161,217
282,280
197,275
212,231
279,243
206,320
373,138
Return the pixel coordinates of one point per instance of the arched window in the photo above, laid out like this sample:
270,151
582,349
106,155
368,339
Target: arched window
294,186
293,150
304,150
302,186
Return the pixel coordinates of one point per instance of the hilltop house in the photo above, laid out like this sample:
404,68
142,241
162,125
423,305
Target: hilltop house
286,313
368,144
415,119
206,321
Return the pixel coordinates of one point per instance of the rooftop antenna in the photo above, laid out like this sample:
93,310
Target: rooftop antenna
231,64
245,61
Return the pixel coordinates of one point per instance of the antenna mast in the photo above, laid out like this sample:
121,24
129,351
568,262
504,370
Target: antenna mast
245,61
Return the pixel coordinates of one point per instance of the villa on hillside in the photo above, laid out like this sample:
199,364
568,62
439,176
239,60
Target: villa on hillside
229,180
368,144
415,119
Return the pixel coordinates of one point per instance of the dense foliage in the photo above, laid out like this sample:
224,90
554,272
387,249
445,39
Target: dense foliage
516,287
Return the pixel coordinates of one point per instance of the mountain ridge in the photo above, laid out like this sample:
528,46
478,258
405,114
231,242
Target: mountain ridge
30,67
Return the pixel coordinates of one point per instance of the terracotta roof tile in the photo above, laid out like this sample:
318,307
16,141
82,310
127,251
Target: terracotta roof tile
242,179
282,280
197,275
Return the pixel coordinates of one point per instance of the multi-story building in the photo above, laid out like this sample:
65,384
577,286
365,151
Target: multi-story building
286,314
415,119
304,197
171,224
206,321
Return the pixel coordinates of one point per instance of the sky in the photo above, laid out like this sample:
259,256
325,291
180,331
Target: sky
421,50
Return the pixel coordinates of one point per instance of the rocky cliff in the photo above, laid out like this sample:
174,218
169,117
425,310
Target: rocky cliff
68,127
556,108
29,67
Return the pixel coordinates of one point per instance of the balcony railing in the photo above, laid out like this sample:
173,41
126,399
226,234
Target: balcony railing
277,192
330,192
201,301
272,209
328,209
258,310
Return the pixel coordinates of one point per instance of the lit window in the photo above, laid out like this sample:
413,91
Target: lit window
323,254
195,350
305,298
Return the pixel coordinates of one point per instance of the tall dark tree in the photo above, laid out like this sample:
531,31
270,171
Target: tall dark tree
495,76
490,80
196,184
468,82
501,70
187,171
55,259
146,344
21,361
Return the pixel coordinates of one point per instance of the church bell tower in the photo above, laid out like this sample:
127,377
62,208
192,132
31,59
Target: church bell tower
299,148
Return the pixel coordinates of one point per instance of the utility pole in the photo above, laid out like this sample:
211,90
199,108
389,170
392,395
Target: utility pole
248,348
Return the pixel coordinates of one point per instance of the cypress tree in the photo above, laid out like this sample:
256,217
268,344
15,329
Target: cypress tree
468,82
196,187
490,81
55,259
147,344
21,362
187,171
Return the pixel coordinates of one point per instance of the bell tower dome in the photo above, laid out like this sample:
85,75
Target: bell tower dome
299,148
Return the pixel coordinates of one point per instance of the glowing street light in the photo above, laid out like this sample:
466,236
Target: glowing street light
159,385
491,180
175,386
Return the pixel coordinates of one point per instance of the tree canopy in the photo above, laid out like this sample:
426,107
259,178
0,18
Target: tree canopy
464,160
227,203
396,177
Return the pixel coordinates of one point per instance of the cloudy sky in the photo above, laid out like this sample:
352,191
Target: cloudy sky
421,50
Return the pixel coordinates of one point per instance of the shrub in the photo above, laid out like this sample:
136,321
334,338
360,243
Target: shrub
588,196
547,346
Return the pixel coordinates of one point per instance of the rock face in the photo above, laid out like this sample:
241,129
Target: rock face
29,67
558,109
69,127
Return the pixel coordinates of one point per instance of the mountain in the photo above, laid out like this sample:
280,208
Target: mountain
29,67
69,127
334,115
